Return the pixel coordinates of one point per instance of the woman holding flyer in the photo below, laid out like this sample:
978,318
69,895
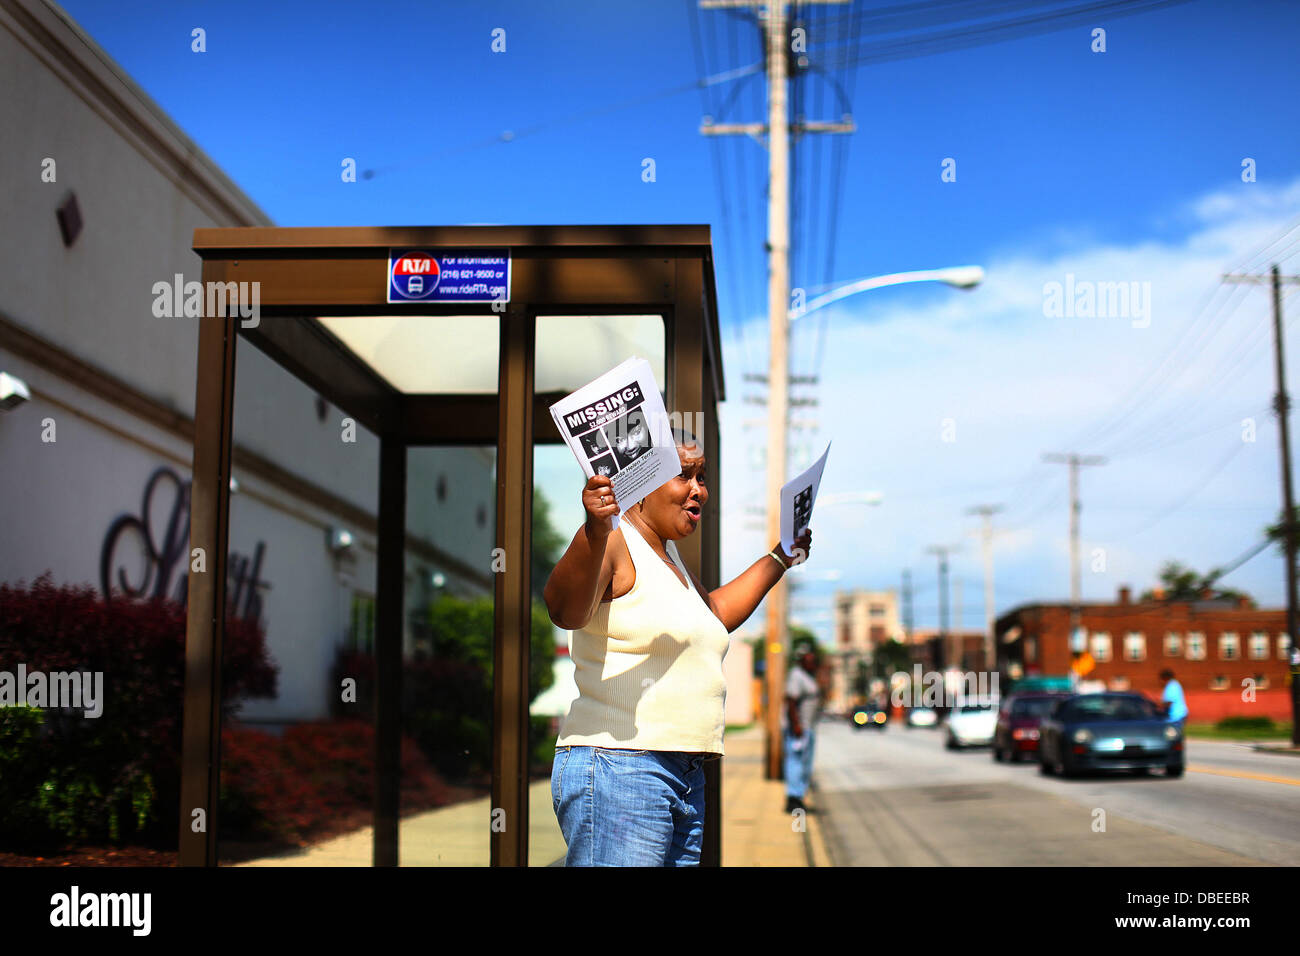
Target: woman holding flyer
648,641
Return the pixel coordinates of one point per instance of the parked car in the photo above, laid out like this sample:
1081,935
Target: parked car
869,715
971,724
1045,684
921,717
1109,731
1016,733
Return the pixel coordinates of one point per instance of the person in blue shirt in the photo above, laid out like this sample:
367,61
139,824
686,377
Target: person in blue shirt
1175,704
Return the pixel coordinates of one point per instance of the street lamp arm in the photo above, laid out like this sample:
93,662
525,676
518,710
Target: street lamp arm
962,277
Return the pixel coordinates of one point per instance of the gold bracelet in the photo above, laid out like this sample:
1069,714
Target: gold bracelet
777,558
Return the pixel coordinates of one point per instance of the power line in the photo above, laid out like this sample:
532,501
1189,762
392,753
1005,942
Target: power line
1187,496
966,36
1217,573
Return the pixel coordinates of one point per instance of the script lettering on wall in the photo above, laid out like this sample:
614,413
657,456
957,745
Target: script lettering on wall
160,550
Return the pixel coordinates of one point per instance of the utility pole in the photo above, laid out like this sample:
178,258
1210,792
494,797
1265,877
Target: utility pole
942,551
907,606
958,651
987,512
1077,643
1282,406
777,44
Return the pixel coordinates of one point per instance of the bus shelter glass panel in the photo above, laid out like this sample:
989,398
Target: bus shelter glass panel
557,516
447,642
422,354
298,733
570,351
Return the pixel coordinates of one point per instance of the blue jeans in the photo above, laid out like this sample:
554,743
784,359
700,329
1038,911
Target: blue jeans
629,807
798,763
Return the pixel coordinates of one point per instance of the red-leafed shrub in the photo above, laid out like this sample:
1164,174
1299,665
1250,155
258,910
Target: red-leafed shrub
68,777
315,779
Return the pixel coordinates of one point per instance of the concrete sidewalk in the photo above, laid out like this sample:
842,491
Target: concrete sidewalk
755,829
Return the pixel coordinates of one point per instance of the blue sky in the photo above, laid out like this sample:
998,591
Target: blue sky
1122,166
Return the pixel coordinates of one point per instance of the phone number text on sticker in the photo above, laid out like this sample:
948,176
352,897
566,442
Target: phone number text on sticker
426,275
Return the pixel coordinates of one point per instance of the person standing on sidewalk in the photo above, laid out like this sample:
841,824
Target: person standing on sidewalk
1173,701
627,785
802,703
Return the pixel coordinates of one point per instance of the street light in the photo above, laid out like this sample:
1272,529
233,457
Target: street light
959,277
13,391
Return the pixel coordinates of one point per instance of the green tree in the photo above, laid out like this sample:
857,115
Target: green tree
1181,583
890,657
1277,532
548,544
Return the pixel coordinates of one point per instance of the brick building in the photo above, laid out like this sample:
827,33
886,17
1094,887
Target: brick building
1216,649
963,650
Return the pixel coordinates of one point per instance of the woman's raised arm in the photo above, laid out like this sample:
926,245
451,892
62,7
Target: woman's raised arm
580,577
734,602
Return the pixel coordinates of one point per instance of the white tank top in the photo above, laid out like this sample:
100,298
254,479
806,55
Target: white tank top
649,664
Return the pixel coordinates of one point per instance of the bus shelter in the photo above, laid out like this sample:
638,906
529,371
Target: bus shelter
382,323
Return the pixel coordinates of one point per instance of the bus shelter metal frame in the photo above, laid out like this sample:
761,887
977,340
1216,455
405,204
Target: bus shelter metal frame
305,273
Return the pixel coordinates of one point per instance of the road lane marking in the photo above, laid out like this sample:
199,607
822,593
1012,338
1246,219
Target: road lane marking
1267,778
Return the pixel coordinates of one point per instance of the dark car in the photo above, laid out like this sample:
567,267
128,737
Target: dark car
873,715
1016,734
1108,732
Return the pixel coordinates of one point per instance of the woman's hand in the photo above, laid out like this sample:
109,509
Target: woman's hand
802,549
733,603
600,504
584,571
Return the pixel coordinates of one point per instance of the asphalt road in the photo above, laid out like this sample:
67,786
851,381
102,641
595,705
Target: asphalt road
898,798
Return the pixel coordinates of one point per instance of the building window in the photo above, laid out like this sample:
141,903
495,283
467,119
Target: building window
1135,646
361,633
1219,682
1283,647
1228,647
1196,646
1173,645
1119,683
1259,646
1101,647
1031,650
877,610
1261,682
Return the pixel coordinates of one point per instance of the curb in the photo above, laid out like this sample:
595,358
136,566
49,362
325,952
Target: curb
814,838
1287,751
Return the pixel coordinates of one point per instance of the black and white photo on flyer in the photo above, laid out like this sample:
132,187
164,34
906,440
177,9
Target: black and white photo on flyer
616,426
797,498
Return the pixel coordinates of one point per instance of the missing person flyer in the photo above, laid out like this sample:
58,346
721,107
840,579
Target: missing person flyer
617,426
797,497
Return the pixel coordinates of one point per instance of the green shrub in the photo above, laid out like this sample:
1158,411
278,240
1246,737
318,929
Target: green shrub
1241,722
67,777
